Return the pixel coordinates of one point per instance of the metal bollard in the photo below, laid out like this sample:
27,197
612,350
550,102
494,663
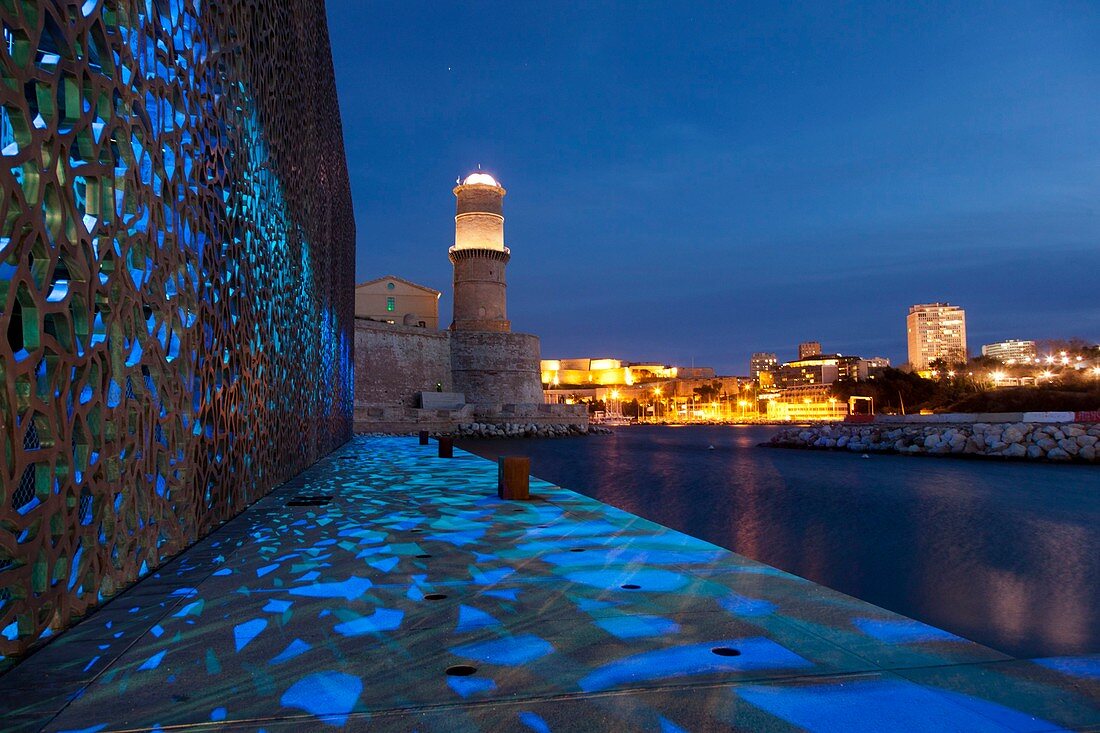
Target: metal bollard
446,446
423,437
514,478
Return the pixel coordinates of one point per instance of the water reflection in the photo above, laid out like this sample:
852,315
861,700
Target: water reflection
1005,554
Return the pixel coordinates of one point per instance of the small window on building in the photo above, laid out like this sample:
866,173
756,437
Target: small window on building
390,304
389,286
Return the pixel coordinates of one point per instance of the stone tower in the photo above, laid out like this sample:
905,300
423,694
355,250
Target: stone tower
479,256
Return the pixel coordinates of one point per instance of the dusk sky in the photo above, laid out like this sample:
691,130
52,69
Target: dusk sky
695,183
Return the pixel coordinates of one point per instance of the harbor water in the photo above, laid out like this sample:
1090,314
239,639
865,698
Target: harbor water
1006,554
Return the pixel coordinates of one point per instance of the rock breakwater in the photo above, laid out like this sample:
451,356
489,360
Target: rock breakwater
504,430
1034,441
525,430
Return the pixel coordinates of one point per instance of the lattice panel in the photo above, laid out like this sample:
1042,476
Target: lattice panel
176,248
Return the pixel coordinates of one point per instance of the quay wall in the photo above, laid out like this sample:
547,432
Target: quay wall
1021,440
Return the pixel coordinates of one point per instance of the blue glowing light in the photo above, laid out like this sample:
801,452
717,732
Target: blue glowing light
873,706
349,589
246,632
638,627
383,619
508,652
294,649
902,630
325,694
757,654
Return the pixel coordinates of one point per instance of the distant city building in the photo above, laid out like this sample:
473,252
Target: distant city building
821,369
874,366
936,331
1011,350
584,372
806,402
606,372
650,371
762,361
806,349
398,301
695,372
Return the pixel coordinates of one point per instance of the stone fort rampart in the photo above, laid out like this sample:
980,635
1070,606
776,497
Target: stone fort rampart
498,373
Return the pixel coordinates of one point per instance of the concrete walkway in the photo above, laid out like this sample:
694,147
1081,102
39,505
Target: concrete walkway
388,589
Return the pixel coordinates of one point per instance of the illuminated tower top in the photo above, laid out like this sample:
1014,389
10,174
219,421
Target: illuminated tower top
479,213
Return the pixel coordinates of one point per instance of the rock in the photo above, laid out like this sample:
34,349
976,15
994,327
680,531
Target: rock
1016,450
1057,454
1083,440
1034,451
1069,445
1088,453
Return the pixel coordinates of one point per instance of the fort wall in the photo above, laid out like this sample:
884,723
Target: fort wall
394,363
496,368
498,373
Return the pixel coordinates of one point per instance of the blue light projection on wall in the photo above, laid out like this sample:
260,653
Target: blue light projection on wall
175,240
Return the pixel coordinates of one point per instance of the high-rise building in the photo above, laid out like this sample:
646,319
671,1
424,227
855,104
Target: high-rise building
806,349
762,361
936,331
1011,350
